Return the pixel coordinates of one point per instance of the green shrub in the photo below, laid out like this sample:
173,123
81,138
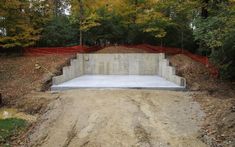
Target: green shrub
9,128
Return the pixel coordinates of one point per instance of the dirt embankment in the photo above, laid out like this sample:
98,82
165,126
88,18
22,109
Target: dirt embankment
23,81
217,99
19,76
121,49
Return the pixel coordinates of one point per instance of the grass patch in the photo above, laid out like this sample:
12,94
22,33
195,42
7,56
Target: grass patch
10,128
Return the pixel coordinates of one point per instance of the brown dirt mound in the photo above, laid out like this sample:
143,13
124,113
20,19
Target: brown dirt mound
121,49
199,78
196,74
21,75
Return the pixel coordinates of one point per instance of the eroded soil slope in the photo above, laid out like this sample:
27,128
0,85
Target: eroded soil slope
141,118
21,75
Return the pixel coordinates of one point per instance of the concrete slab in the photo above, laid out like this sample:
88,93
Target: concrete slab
118,81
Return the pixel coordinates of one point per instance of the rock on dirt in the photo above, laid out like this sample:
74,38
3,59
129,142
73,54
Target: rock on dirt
140,118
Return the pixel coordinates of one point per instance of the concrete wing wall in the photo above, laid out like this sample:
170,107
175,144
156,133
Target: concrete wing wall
75,69
168,72
120,64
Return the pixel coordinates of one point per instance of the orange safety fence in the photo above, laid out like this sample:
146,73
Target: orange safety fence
59,50
149,48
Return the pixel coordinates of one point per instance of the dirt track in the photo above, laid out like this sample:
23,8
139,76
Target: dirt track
115,118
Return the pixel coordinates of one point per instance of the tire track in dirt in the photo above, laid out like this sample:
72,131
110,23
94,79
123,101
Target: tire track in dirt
71,134
121,118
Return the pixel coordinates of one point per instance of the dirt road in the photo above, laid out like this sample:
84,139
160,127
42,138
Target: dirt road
120,118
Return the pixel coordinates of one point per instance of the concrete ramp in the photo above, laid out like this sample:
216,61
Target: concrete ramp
119,71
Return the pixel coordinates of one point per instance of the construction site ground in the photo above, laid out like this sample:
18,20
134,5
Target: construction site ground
202,116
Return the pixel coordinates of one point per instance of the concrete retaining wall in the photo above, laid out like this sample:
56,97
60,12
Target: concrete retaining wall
119,64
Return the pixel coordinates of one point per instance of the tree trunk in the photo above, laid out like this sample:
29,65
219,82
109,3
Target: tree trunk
135,16
54,6
81,37
204,11
81,17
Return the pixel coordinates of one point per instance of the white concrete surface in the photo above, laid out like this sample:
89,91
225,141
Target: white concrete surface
118,81
120,64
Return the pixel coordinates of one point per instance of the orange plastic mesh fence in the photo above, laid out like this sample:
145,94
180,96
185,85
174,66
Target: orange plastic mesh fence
149,48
